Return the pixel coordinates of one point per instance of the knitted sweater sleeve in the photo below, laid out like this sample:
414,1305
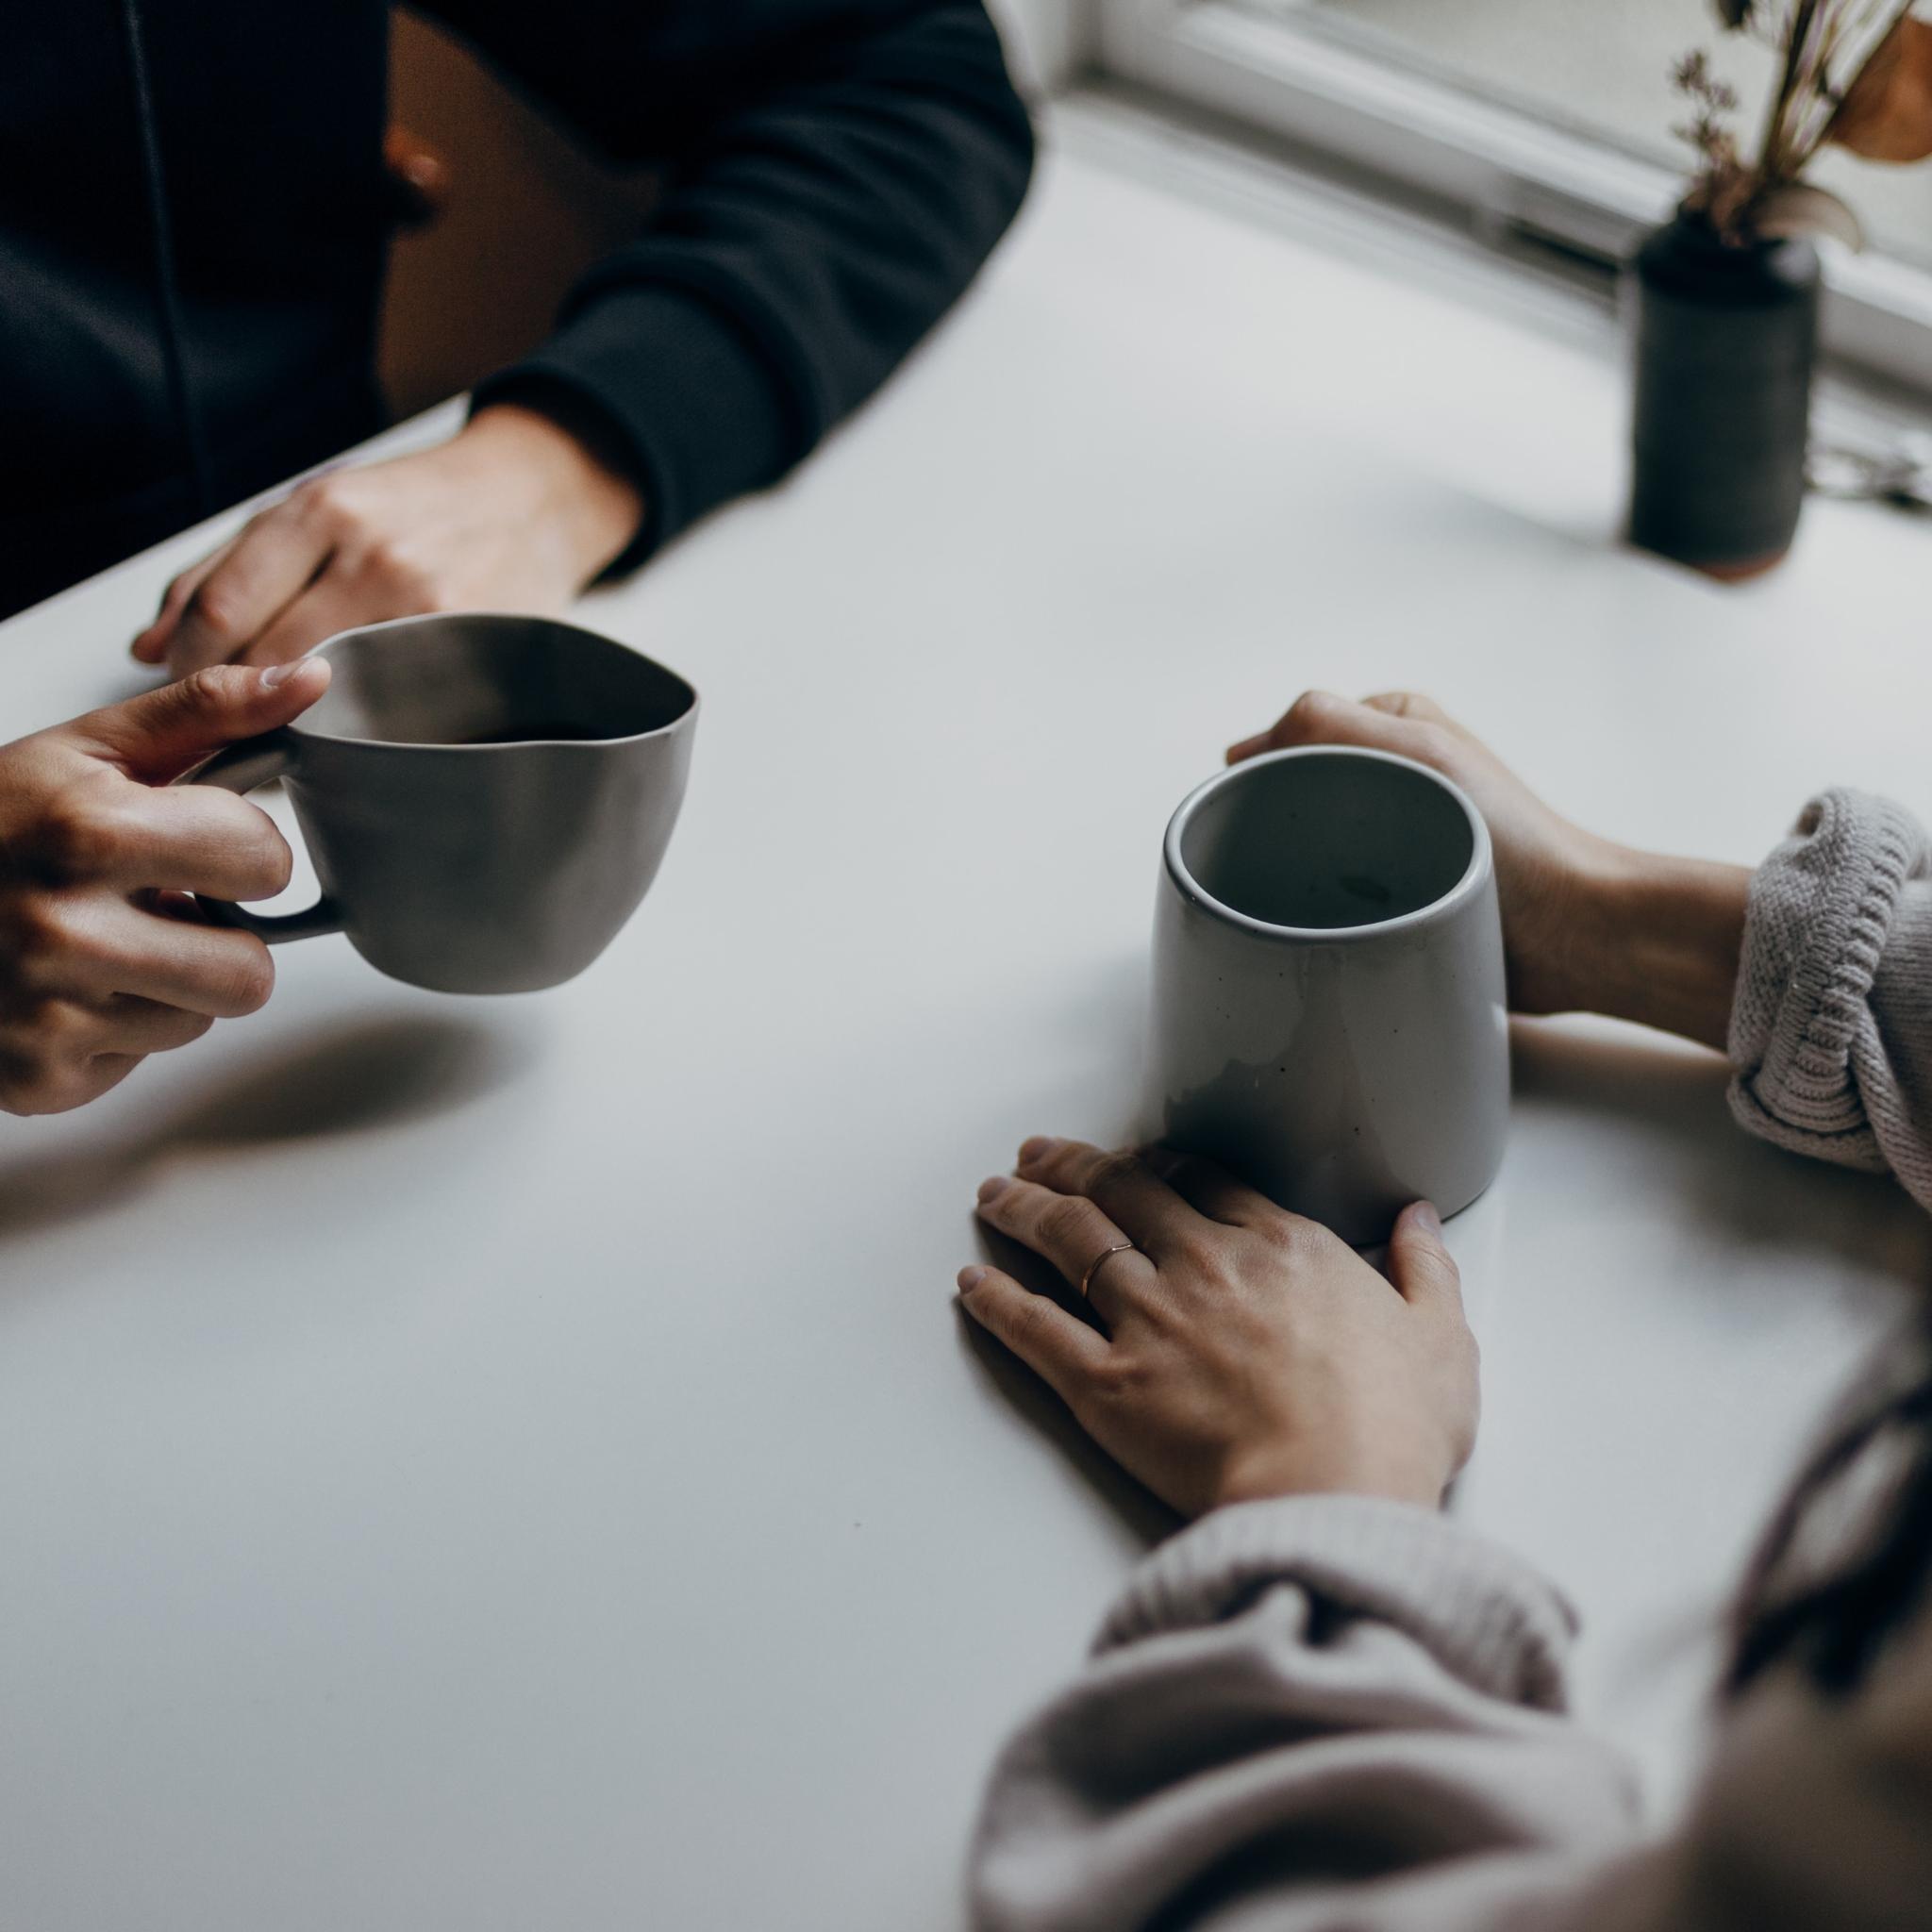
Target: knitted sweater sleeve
1831,1025
1339,1715
1319,1714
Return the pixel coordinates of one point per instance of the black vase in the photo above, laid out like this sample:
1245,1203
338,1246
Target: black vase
1726,336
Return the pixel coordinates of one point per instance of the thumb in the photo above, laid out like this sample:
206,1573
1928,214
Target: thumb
1390,722
158,735
1422,1270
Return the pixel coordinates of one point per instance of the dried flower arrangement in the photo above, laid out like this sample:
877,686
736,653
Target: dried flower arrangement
1853,73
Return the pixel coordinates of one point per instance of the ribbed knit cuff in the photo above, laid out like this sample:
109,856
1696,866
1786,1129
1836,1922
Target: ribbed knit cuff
1820,910
697,410
1480,1611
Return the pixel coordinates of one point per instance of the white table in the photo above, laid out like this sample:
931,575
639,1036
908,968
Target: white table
515,1464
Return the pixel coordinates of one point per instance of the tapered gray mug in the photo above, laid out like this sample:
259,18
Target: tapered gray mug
486,799
1330,1013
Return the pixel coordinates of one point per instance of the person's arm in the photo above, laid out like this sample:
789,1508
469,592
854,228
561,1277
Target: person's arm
102,958
1318,1714
1831,1033
1814,972
839,169
1324,1706
1587,925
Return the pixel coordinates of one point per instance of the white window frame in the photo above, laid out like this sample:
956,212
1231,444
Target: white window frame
1516,175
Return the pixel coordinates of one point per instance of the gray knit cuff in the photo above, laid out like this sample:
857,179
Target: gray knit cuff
1480,1612
1818,912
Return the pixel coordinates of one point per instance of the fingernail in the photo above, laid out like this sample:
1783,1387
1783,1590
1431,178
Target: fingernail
1039,1147
278,674
1425,1211
970,1278
994,1184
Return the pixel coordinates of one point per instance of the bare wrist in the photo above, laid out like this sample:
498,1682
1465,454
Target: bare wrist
1660,941
1419,1475
580,483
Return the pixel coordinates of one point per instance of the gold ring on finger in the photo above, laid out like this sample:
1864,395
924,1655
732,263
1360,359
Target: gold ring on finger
1093,1267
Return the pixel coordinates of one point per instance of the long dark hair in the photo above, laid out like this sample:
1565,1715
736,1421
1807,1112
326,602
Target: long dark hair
1847,1560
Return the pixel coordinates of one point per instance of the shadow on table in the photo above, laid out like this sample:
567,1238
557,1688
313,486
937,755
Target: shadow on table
343,1079
1146,1516
1105,1018
1765,1196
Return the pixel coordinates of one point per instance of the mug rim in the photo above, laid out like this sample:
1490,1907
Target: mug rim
299,726
1480,865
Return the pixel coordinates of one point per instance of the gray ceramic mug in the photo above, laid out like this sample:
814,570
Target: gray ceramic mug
1330,1013
486,799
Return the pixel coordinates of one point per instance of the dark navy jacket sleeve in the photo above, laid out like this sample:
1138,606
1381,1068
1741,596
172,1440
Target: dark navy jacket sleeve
835,172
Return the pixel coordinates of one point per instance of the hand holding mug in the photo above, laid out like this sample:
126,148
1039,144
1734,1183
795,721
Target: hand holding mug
1330,1013
1244,1352
1547,869
102,959
1589,925
486,797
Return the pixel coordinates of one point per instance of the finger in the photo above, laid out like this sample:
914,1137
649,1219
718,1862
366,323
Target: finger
336,601
151,645
136,1027
1122,1185
65,1050
1422,1270
1409,704
107,1070
112,947
1210,1190
273,560
1072,1233
190,840
32,1082
158,735
1059,1348
1319,717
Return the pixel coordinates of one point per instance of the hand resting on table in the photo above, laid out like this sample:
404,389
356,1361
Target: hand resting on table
1244,1351
515,512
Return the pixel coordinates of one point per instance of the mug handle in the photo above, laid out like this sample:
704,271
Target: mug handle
240,768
